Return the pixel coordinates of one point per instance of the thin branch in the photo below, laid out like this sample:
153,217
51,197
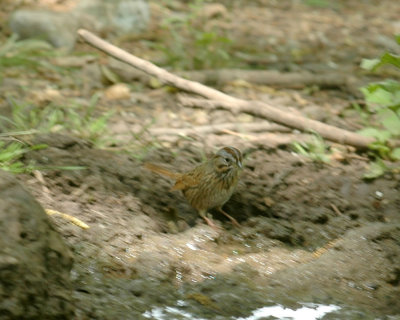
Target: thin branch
257,108
146,66
296,80
270,77
265,111
263,126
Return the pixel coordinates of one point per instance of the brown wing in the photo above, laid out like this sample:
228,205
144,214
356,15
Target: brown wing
189,179
184,181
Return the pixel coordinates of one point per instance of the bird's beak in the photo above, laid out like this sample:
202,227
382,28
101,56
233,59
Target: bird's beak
239,163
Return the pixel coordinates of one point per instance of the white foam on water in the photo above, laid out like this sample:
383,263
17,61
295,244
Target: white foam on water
167,313
309,311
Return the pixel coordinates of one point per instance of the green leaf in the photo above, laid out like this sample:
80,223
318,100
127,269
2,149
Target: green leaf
389,85
389,58
300,149
382,94
395,154
39,146
379,96
390,121
369,64
396,99
111,76
380,135
381,149
375,170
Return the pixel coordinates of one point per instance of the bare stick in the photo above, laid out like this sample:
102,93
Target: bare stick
149,68
265,111
269,139
256,108
270,78
337,211
263,126
296,80
244,141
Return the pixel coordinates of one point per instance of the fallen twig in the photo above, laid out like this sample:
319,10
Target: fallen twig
320,251
265,111
257,108
146,66
240,135
263,126
337,211
295,80
68,217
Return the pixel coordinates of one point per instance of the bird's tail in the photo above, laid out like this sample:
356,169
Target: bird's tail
161,170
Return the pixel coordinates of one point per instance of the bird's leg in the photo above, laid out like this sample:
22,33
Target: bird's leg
203,214
233,220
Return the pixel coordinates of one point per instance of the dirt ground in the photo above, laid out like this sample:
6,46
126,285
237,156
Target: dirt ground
310,232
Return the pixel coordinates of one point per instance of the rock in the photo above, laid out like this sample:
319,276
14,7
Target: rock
117,91
213,10
119,16
54,27
47,95
102,16
35,263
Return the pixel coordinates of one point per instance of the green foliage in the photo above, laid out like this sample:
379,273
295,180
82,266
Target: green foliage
316,150
27,120
83,122
25,53
10,154
322,3
80,120
189,46
139,146
26,117
24,59
375,169
382,114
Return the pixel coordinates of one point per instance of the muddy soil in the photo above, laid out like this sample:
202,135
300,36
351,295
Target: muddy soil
147,247
310,232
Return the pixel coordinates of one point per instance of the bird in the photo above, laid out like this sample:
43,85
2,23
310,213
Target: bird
210,184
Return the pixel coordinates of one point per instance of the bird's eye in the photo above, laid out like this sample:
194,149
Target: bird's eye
227,160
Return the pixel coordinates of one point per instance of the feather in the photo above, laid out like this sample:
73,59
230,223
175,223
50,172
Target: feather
161,170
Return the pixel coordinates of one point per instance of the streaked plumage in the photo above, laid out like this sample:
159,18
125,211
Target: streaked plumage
209,185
